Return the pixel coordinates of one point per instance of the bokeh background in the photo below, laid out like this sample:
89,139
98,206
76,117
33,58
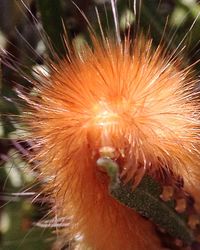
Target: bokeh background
24,27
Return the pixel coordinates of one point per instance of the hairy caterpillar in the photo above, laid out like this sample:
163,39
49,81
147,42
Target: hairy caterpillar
125,101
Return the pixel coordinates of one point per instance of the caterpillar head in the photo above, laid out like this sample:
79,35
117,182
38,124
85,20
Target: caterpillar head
128,102
131,99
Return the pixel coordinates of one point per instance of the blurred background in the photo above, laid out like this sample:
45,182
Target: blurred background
25,48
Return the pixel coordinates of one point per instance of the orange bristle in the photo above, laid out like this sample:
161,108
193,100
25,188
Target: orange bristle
127,97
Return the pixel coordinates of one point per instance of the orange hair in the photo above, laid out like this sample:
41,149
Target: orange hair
128,97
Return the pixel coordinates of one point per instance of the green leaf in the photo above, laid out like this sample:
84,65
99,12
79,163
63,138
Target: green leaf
145,199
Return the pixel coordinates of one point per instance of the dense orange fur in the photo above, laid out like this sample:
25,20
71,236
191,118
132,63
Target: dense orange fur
138,103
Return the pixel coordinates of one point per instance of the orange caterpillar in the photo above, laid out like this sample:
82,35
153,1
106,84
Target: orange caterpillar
129,101
138,103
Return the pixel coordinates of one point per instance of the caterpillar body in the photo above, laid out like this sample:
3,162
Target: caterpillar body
125,104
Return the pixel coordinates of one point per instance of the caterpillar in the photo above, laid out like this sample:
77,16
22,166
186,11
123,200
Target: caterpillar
115,132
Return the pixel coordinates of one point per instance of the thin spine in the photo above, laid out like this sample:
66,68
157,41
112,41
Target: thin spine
116,20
